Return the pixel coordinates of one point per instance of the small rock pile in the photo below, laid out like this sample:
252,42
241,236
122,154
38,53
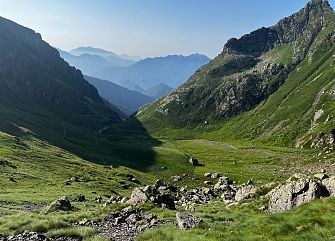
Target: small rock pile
167,196
161,194
126,225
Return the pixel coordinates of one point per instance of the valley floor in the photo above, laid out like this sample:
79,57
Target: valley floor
34,173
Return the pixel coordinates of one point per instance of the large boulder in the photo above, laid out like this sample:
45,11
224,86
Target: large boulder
61,204
187,221
245,192
138,197
297,190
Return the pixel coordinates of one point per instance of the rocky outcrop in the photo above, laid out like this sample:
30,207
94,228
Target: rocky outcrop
297,190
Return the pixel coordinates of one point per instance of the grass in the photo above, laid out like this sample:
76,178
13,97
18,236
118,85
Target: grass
313,221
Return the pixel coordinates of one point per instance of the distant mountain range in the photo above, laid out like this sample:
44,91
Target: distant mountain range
93,60
129,101
169,71
172,70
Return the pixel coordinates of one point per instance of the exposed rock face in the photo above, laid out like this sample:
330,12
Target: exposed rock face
62,204
187,221
297,190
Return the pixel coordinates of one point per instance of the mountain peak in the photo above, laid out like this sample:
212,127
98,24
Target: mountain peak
314,3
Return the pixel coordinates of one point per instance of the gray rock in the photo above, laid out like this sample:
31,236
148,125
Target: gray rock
329,184
245,192
187,221
137,197
215,175
297,190
62,204
207,174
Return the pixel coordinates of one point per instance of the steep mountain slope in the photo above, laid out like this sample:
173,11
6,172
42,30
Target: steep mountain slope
128,101
158,91
41,94
171,70
291,62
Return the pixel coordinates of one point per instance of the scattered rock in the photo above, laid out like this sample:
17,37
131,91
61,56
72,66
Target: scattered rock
62,204
215,175
194,161
80,198
207,174
176,178
187,221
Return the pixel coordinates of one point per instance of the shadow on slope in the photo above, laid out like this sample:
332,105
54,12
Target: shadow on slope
124,143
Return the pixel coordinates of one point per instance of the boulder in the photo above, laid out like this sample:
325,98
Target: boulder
137,197
245,192
62,204
329,184
194,161
297,190
187,221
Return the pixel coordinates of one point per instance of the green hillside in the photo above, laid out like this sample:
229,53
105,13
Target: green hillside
275,84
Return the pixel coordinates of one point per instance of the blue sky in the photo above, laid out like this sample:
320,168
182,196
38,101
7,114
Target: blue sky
147,27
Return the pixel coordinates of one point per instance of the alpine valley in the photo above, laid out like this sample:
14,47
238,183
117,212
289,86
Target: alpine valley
241,151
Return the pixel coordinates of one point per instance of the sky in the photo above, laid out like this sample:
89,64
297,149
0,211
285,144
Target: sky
147,28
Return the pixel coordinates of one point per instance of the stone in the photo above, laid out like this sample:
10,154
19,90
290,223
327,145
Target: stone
207,174
194,161
297,190
98,199
208,183
80,198
138,197
215,175
245,192
329,184
74,179
222,183
187,221
176,178
61,204
320,176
